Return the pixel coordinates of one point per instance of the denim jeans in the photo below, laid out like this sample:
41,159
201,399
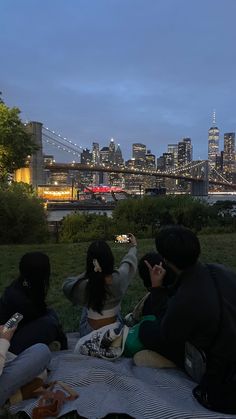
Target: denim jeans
22,369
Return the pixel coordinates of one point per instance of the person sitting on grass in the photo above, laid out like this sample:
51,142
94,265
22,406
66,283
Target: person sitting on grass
199,317
100,289
147,309
18,374
150,305
27,295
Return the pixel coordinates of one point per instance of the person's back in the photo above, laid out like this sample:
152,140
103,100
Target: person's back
224,343
14,299
100,289
27,295
202,311
192,313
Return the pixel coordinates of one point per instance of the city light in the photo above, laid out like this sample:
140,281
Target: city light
175,173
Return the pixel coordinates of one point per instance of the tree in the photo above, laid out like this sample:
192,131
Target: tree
15,143
22,216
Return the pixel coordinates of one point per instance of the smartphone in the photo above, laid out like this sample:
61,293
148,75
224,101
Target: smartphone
122,238
12,322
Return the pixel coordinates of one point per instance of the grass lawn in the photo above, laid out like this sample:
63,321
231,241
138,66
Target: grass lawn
69,259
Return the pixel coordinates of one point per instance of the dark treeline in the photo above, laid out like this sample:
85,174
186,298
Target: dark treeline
23,219
145,216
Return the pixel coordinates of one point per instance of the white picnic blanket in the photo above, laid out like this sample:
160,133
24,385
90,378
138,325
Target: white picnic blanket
107,387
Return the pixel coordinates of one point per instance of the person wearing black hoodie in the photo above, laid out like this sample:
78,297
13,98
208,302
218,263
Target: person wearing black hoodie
27,295
202,311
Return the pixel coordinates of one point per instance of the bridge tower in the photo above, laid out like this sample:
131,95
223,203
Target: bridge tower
36,161
200,187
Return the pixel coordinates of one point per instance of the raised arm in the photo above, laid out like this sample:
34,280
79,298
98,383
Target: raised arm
127,269
74,289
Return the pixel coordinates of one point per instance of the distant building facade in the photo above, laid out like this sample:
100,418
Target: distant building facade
118,156
185,152
150,160
213,143
229,155
139,151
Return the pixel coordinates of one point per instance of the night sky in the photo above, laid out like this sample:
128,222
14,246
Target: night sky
149,71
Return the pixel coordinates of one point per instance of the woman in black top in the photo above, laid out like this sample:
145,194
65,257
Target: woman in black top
27,295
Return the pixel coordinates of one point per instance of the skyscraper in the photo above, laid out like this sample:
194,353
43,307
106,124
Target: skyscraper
104,159
86,156
213,142
95,153
86,177
184,157
189,149
105,155
168,161
185,151
229,154
118,156
150,160
112,148
139,151
173,149
96,160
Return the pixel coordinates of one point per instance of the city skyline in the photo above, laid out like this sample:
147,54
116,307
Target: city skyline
149,72
215,148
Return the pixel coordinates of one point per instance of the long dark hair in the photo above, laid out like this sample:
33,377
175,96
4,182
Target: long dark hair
34,276
100,264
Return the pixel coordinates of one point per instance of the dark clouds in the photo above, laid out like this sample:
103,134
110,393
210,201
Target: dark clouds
136,70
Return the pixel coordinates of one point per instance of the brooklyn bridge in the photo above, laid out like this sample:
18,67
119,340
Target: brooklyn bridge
198,173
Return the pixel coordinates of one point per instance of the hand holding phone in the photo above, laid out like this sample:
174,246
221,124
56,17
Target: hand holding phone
132,239
8,329
122,238
12,322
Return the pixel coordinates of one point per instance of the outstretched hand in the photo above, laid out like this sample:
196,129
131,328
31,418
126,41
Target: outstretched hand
157,273
7,333
133,240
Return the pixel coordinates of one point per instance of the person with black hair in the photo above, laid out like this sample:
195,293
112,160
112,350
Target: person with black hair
202,313
27,295
100,289
150,305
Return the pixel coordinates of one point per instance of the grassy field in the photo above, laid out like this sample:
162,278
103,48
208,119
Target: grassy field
69,259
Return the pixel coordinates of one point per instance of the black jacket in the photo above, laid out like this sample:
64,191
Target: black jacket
15,299
39,324
196,314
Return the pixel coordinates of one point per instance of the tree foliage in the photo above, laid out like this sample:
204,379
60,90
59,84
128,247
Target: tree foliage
15,143
152,213
22,217
79,227
143,218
